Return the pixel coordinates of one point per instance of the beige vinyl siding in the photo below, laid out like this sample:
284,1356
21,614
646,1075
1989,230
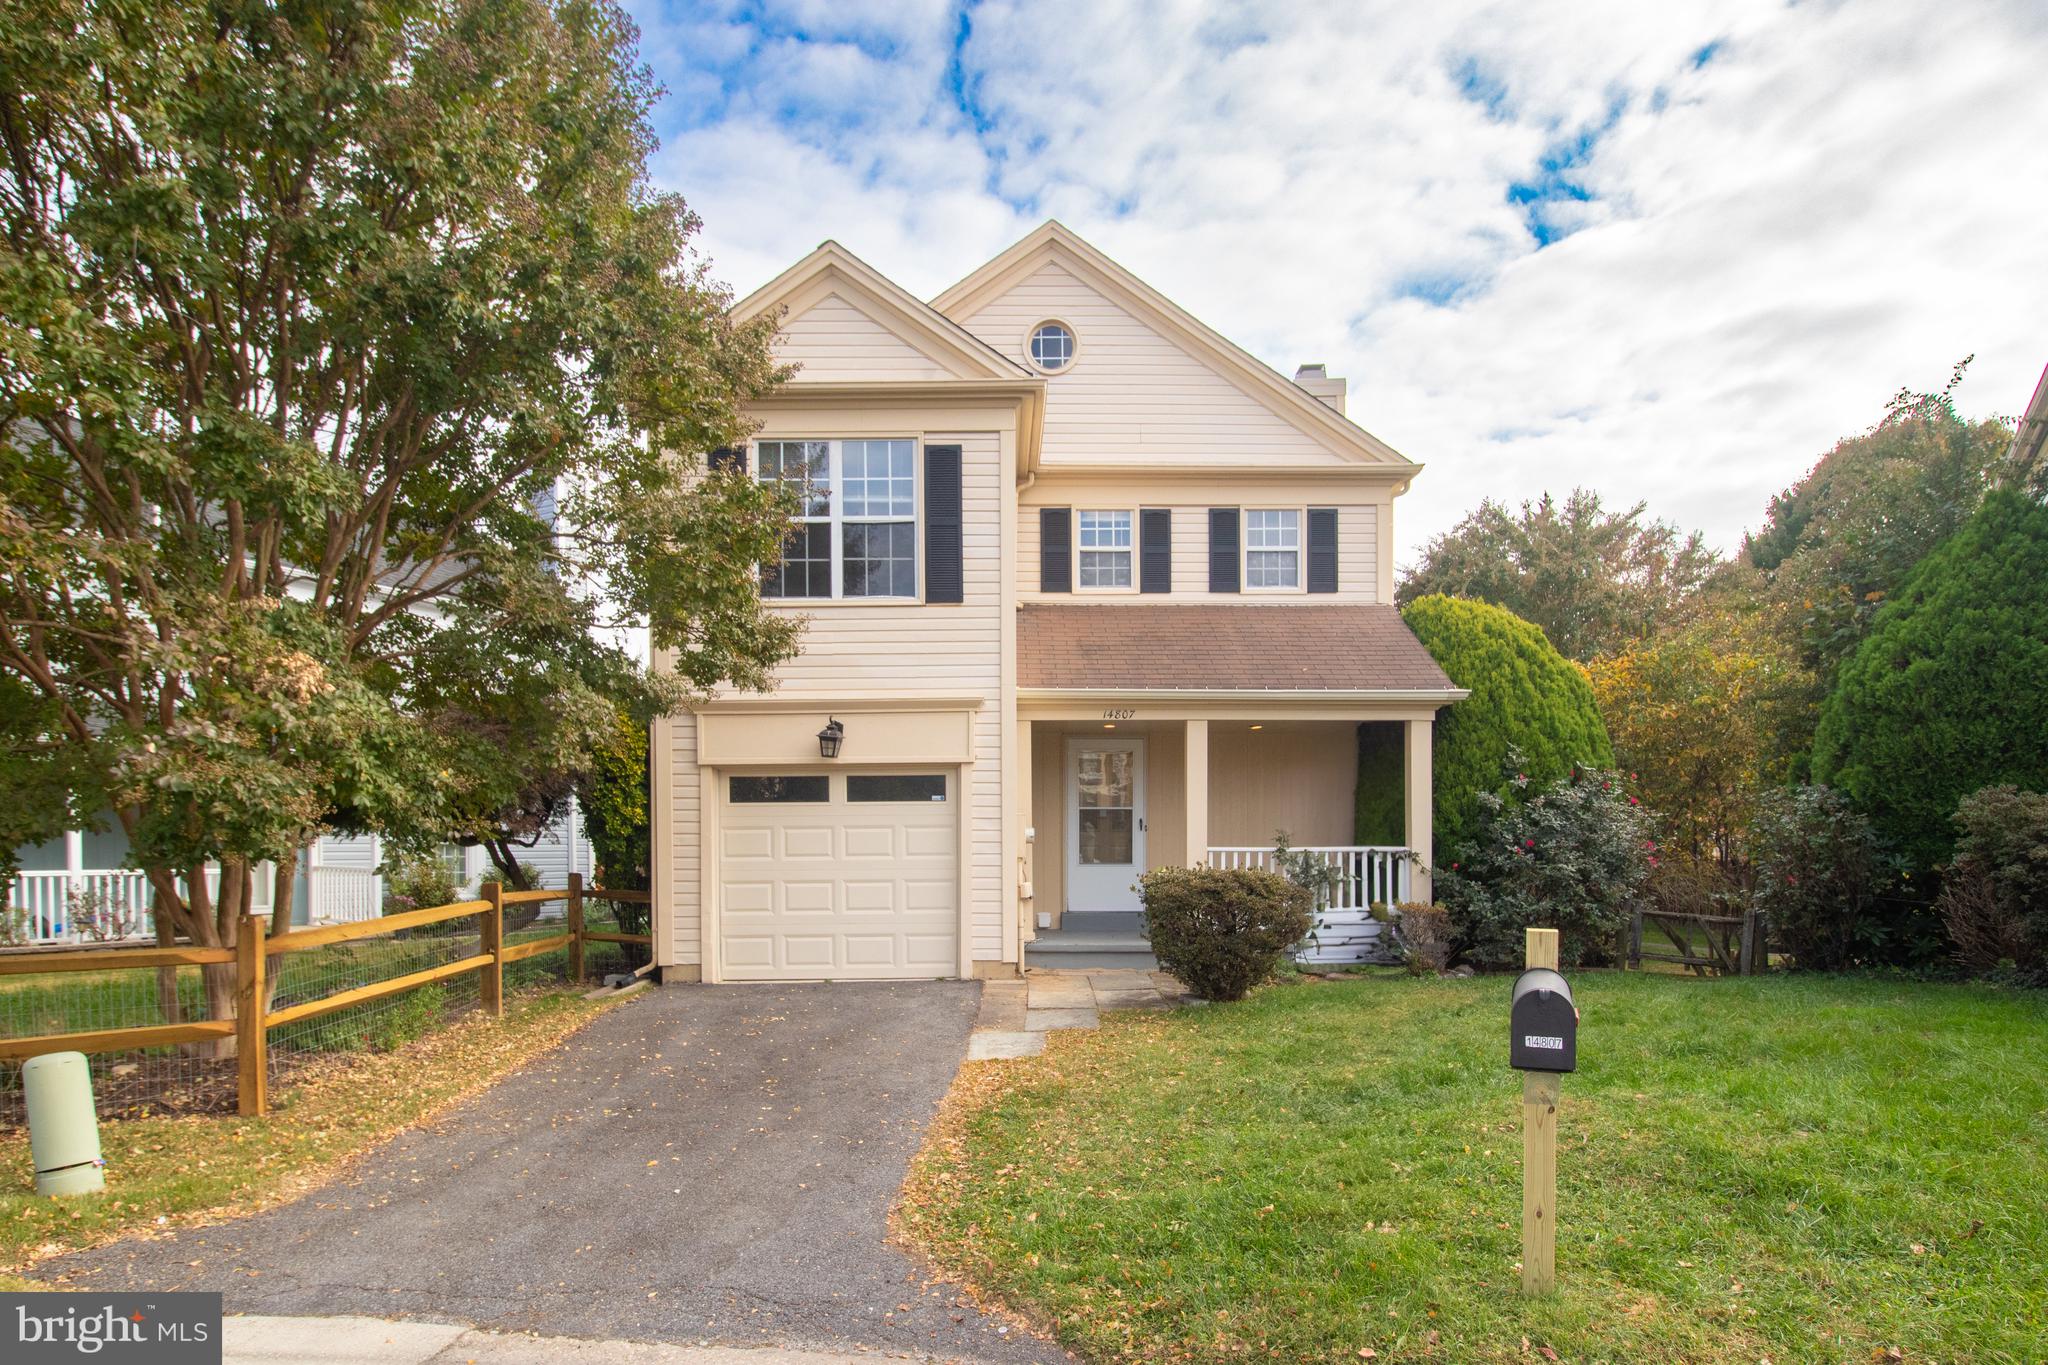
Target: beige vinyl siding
686,939
834,340
1132,394
854,651
1300,776
1358,547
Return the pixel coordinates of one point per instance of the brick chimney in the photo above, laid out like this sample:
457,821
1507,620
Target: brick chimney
1316,379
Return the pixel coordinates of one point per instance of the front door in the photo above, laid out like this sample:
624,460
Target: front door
1105,823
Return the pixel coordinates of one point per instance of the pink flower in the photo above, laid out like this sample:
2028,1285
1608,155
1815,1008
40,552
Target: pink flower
1528,843
1650,844
1633,802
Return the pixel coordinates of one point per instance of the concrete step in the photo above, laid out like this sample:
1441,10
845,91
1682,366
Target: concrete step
1068,949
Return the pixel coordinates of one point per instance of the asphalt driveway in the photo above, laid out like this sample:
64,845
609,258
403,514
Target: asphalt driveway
705,1163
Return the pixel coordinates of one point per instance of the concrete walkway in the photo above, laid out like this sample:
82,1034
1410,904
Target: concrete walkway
706,1164
254,1340
1015,1016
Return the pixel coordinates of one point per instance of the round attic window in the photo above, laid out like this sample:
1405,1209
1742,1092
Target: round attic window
1052,346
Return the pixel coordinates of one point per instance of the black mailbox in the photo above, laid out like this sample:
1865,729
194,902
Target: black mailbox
1543,1023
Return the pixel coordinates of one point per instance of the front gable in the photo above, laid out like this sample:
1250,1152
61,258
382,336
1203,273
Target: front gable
1150,384
841,321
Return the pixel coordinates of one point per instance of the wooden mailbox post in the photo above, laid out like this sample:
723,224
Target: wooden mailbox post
1540,1090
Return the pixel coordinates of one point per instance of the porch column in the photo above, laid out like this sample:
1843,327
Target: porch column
1196,762
1027,847
1419,798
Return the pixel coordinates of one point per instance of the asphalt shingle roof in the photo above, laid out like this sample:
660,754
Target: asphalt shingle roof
1257,646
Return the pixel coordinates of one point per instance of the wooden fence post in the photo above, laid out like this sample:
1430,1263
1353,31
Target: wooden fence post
252,1082
1745,961
576,928
1539,1149
491,939
1635,937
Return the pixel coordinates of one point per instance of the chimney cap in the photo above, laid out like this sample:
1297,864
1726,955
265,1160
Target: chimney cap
1314,369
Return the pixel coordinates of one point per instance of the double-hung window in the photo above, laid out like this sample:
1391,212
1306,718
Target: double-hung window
857,524
1105,550
1272,547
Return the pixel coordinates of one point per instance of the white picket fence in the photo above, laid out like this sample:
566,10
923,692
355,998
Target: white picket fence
1366,875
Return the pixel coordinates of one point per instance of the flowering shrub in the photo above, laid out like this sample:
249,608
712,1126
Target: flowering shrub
1819,870
1570,857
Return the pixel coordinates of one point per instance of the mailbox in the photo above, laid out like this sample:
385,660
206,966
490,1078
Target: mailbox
1543,1023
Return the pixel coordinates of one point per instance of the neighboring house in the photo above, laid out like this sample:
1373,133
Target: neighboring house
1090,590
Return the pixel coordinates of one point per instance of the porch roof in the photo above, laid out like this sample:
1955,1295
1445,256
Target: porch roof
1250,647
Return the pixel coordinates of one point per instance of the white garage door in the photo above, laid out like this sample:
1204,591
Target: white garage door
831,875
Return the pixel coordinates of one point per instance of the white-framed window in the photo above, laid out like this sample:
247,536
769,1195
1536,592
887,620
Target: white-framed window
1052,346
1104,548
1272,547
857,532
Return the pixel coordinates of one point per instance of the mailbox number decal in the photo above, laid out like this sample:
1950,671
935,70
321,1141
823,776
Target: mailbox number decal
1543,1040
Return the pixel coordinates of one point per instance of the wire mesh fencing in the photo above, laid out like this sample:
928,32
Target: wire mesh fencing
327,995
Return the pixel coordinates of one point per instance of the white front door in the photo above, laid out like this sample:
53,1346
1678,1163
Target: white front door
1105,823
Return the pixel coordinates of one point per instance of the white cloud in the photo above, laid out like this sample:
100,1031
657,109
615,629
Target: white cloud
1759,249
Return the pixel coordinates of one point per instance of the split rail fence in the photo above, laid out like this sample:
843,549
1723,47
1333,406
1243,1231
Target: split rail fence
255,957
1723,945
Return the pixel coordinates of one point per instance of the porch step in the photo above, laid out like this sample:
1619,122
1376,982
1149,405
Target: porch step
1101,941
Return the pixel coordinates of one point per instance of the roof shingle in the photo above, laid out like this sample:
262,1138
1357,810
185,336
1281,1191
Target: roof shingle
1265,646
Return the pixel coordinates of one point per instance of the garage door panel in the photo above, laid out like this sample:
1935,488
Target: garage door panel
929,841
817,889
807,898
868,897
807,841
748,843
871,841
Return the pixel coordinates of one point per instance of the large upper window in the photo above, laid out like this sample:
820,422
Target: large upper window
857,535
1052,346
1105,549
1272,548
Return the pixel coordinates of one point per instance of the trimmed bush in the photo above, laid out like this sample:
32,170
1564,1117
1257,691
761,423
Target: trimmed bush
1994,901
1819,869
1222,931
1945,695
613,797
1525,696
1423,935
1380,806
1570,856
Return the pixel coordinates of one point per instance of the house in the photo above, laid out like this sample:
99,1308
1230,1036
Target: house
1090,590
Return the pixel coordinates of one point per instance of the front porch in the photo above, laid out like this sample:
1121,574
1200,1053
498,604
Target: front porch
1120,792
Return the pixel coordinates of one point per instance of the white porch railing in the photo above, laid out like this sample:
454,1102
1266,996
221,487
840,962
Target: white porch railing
95,905
336,895
1345,929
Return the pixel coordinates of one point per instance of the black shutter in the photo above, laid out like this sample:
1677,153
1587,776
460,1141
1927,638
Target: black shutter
1155,549
1322,549
728,457
1222,549
1055,549
942,553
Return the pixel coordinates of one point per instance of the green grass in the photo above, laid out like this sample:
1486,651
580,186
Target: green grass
1783,1168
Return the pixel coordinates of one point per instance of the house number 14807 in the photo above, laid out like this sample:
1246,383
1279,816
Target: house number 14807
1119,713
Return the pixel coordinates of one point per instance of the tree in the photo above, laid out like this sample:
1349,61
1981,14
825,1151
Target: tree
1945,695
1526,698
1839,543
616,802
307,316
1695,718
1595,581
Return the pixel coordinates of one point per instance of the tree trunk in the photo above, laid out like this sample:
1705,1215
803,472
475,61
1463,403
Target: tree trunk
513,874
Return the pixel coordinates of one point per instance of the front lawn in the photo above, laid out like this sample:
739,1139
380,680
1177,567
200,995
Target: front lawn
1783,1168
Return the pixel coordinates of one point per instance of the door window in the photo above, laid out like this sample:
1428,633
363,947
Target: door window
1107,792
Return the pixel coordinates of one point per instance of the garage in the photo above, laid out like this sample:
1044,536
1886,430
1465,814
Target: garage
835,875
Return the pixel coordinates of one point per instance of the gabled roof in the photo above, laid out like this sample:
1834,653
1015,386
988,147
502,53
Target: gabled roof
1054,241
832,269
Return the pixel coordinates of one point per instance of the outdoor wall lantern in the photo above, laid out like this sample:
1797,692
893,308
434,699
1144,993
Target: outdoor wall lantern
830,738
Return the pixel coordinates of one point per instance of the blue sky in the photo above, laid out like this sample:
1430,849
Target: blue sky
1668,251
